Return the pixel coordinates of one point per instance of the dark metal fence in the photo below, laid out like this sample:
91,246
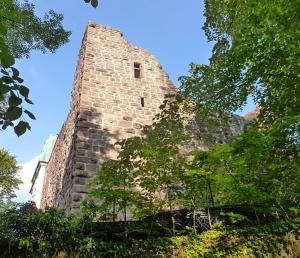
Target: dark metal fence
174,222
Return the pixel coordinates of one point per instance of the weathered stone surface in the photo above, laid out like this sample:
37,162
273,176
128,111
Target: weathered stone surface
77,197
106,106
137,126
79,181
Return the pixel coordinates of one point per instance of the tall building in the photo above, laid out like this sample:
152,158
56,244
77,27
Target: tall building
117,89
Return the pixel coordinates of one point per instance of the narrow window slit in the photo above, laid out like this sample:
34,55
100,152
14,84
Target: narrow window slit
142,102
137,70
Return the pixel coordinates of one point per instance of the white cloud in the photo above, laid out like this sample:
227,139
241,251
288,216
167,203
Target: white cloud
25,174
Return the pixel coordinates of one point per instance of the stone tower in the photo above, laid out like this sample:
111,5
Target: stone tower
117,89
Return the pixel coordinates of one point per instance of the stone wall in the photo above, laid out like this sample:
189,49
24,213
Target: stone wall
108,103
61,159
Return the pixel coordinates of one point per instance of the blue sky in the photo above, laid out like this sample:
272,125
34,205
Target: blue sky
169,29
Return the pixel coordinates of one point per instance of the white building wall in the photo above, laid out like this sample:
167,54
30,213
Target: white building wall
37,186
37,180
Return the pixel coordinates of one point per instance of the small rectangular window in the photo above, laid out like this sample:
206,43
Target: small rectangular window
137,70
142,102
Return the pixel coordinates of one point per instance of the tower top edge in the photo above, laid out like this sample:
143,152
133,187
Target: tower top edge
102,26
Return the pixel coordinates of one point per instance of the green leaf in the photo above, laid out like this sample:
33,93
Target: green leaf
14,101
4,126
24,91
4,89
15,72
4,72
21,128
94,3
3,29
30,114
13,113
18,79
28,101
6,58
7,79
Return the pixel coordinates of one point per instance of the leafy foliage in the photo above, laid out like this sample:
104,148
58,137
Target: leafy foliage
20,32
8,176
276,239
256,54
12,95
114,189
146,175
259,166
94,3
27,32
28,232
256,167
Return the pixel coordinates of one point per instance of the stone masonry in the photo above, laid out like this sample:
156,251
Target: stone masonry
117,89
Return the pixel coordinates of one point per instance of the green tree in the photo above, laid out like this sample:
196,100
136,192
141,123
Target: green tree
9,180
20,32
112,193
12,91
256,54
259,167
27,32
198,184
146,175
160,169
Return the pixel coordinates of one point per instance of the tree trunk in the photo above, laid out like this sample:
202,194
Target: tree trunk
211,194
194,216
256,216
152,223
173,225
114,211
194,220
125,223
209,218
173,219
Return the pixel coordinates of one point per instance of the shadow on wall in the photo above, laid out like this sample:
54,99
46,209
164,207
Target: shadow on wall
92,144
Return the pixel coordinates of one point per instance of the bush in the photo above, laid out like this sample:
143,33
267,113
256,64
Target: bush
27,232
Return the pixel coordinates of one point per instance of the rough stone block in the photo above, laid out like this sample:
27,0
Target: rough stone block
77,197
125,123
127,118
80,166
80,189
79,180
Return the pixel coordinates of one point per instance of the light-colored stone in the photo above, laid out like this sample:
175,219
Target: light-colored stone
105,107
